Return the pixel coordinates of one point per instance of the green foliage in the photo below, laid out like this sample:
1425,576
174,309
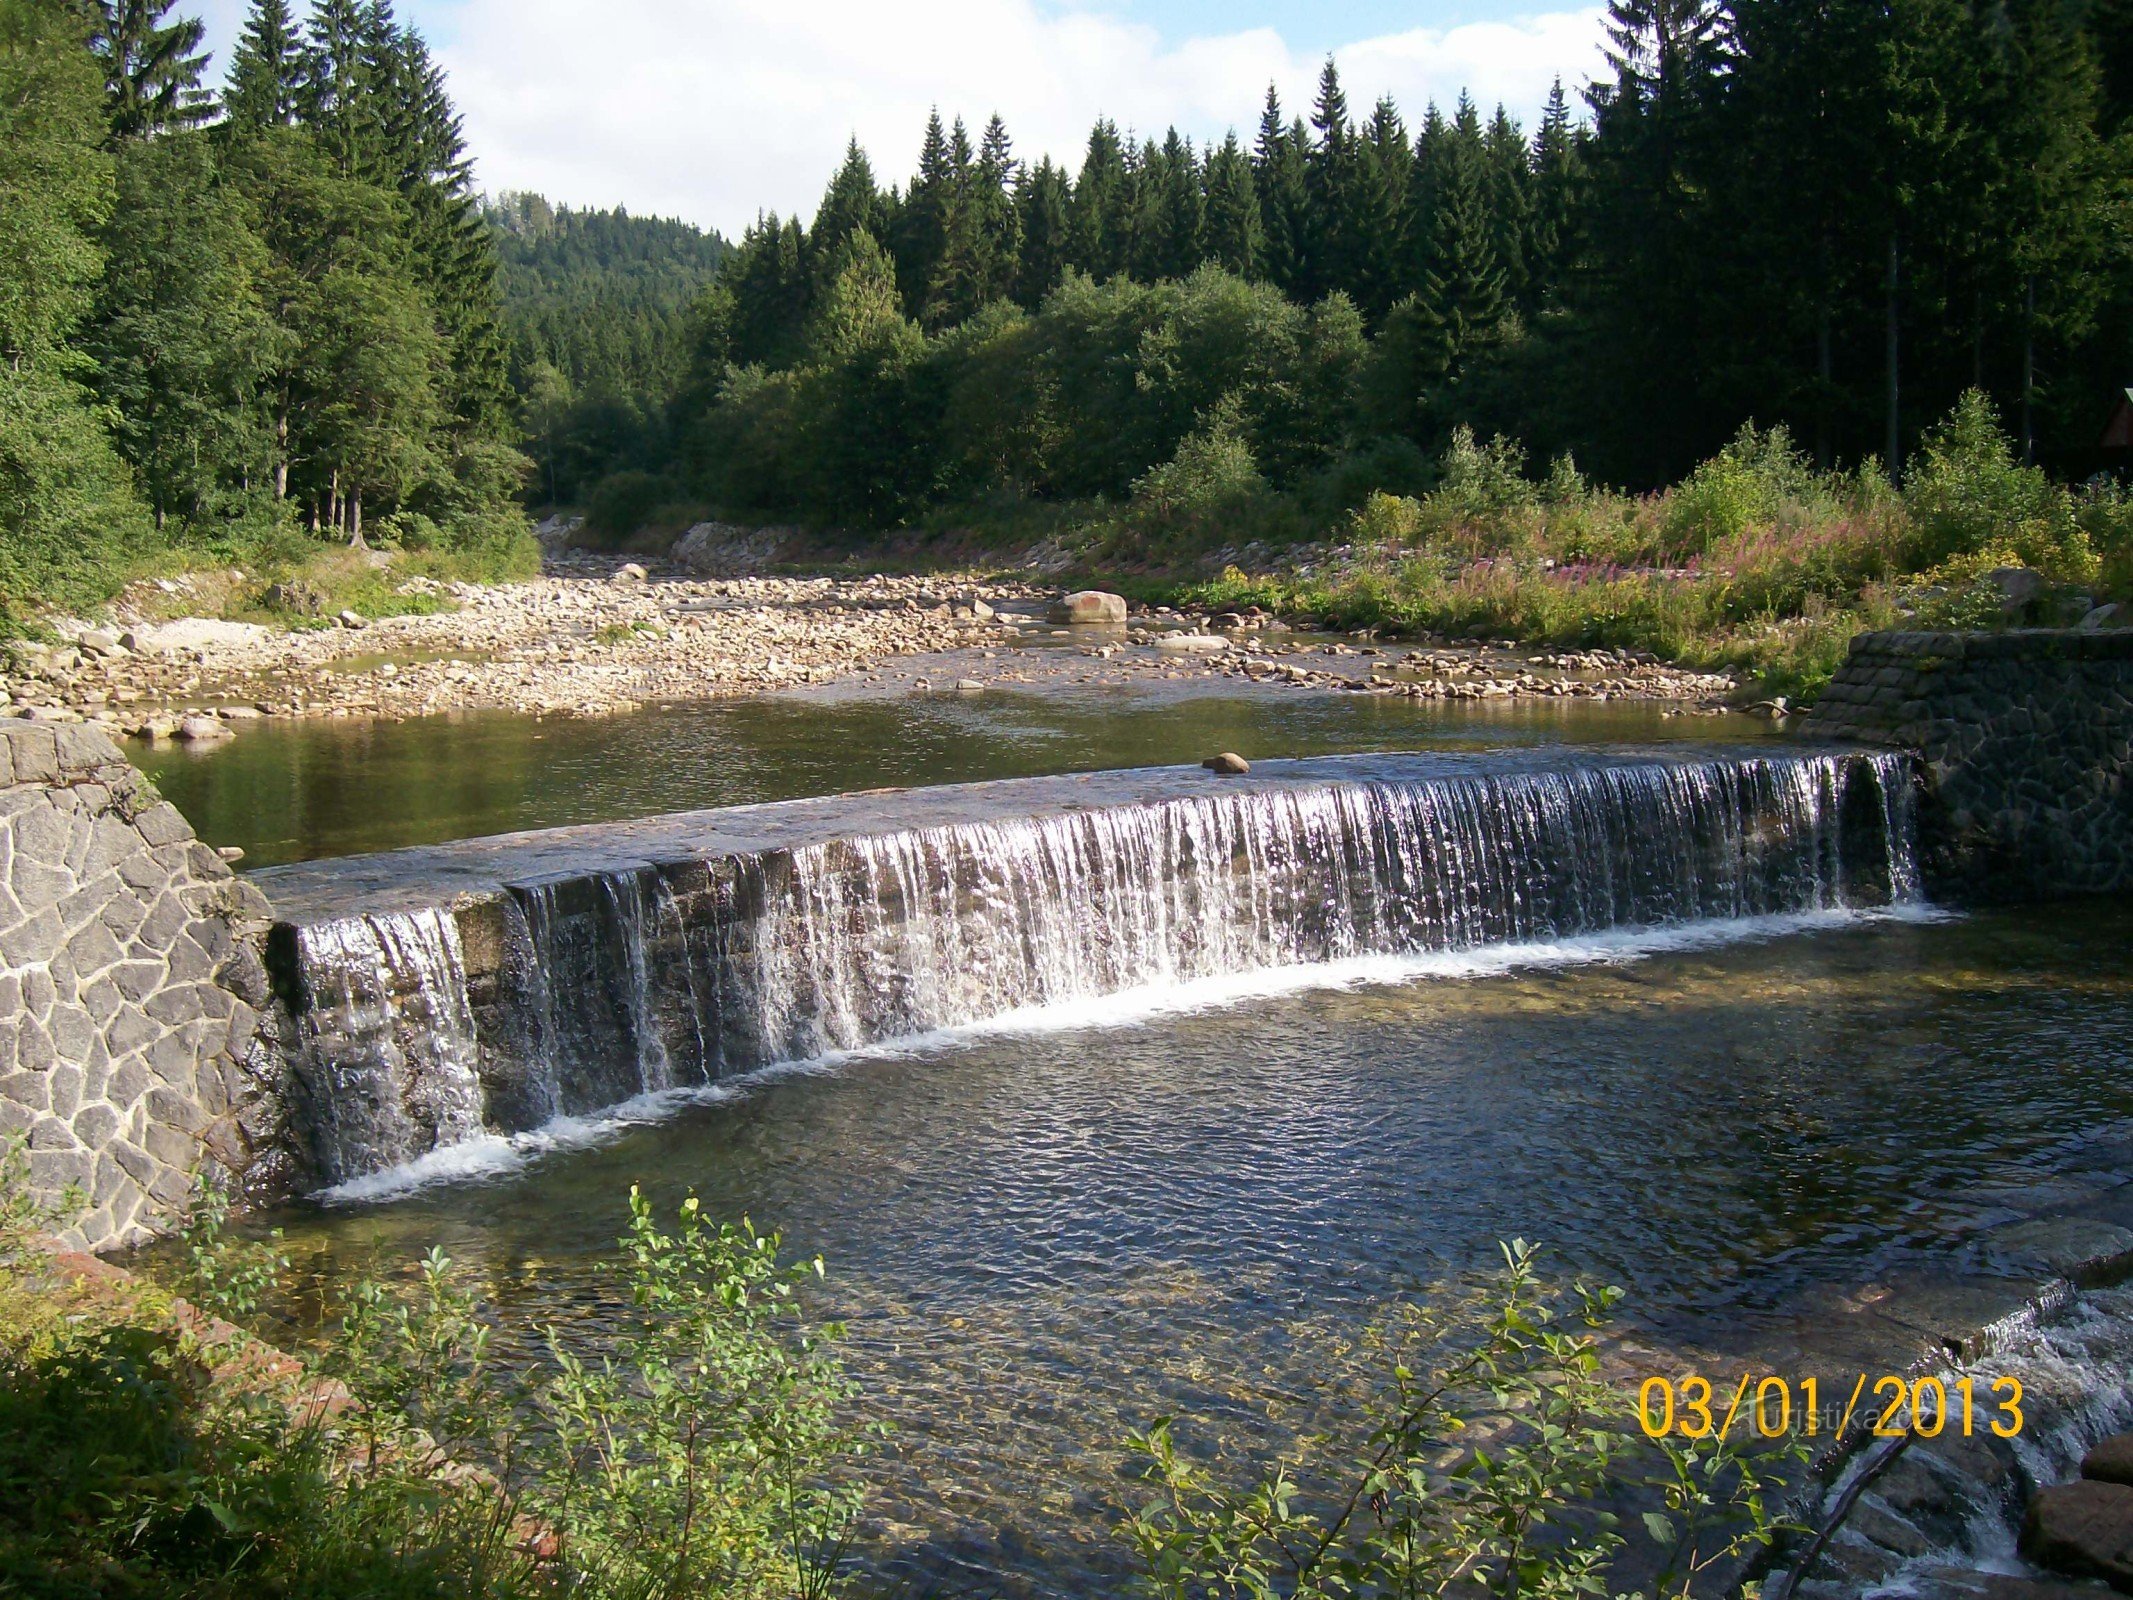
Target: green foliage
1752,481
709,1454
1210,482
1480,1460
1970,498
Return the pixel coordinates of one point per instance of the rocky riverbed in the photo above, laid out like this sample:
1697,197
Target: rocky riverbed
596,635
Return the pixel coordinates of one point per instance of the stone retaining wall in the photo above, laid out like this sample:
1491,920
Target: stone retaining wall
2027,744
130,990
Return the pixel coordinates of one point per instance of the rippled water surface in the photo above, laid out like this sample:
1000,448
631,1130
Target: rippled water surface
1041,1239
294,791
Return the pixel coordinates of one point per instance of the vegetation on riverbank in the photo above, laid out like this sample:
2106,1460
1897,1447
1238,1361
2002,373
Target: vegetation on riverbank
1756,561
714,1445
219,339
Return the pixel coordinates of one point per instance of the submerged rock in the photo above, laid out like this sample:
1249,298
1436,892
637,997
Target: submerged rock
203,728
1192,644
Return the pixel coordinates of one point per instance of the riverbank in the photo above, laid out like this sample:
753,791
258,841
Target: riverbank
597,634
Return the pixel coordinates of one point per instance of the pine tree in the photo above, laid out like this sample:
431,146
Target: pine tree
1464,293
995,219
921,232
851,204
1103,198
1284,200
956,287
152,68
1235,239
338,107
266,78
1176,210
1044,213
1510,201
1378,212
1557,166
1332,254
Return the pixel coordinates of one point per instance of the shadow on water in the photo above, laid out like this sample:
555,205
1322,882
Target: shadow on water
296,791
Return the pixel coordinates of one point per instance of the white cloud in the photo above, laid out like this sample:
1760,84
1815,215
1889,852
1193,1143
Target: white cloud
714,109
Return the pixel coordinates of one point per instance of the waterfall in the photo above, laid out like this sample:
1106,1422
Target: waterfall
385,1049
637,978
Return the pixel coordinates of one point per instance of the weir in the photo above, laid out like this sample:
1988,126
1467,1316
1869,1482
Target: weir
432,994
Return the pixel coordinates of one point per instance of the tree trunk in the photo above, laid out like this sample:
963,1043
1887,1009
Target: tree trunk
355,520
1825,361
281,456
1893,456
2029,370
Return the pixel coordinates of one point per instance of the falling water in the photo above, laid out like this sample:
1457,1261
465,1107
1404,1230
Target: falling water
385,1054
657,976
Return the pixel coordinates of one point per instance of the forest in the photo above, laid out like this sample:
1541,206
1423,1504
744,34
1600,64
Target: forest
1822,215
284,313
255,321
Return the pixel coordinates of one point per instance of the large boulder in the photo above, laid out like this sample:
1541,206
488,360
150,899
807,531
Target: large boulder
2118,614
1091,608
2083,1529
1192,644
2019,588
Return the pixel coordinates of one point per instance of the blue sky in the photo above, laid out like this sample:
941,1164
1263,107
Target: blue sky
715,110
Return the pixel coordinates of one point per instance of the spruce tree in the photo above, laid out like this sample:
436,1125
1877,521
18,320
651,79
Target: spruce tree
152,68
1332,249
850,204
1284,200
1044,215
1377,213
265,88
1464,293
996,221
1510,200
1176,210
921,232
1102,227
1557,166
1235,239
956,286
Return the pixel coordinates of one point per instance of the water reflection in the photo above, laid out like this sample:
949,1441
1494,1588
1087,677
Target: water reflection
294,791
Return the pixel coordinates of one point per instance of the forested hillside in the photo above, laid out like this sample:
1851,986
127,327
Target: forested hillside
1824,215
595,308
244,323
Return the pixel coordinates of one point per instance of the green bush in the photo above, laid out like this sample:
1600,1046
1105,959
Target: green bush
1207,485
1969,499
1753,480
1483,1457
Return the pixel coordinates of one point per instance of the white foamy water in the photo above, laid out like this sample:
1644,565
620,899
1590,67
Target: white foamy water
492,1156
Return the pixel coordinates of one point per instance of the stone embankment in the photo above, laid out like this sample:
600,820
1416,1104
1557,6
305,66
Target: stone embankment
2026,739
130,990
599,635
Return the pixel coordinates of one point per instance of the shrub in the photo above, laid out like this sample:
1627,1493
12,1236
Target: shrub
1211,480
1969,497
1400,1502
1751,481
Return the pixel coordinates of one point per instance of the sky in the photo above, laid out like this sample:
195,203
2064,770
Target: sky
717,110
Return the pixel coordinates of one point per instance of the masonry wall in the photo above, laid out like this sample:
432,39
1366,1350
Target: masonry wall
2026,745
130,990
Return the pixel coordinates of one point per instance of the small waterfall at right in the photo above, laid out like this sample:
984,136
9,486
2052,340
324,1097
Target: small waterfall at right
896,934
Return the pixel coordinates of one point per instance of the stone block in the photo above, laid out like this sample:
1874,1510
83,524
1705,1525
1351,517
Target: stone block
65,1087
134,1161
137,980
163,825
49,1133
35,750
92,950
130,1079
34,1051
171,1147
36,885
55,1171
95,1126
33,940
32,1091
166,919
109,1178
176,1005
177,1111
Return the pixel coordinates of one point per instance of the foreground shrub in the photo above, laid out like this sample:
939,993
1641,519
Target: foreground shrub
1481,1460
1969,498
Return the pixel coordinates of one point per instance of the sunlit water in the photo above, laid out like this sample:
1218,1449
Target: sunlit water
1045,1236
297,790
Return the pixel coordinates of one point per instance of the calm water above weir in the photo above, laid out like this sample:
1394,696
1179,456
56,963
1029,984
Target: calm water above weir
1044,1238
295,791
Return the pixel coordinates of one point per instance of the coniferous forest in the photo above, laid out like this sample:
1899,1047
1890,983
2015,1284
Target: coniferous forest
281,305
268,316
